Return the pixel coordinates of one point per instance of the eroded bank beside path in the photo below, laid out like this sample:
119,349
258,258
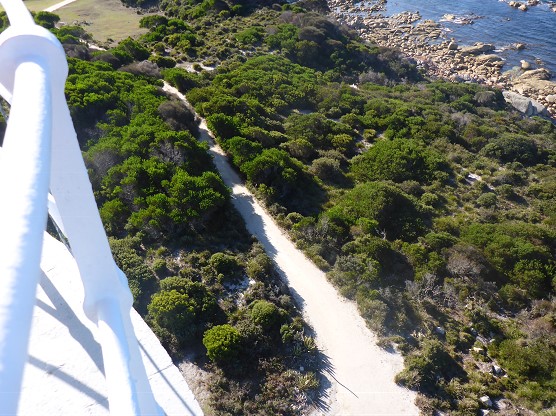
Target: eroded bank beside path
361,374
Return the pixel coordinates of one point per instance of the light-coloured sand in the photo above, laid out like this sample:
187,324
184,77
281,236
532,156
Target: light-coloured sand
360,376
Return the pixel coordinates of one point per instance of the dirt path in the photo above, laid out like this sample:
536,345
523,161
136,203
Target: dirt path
58,5
360,375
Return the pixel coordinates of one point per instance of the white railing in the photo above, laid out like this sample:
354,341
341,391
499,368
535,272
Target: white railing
40,154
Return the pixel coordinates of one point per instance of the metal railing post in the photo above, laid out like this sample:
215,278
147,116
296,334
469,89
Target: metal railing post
41,152
24,179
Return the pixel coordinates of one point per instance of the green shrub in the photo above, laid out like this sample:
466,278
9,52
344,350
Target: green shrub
46,19
259,267
398,161
538,395
528,361
264,313
222,342
182,307
487,200
397,214
127,253
181,79
440,240
225,264
175,312
375,313
514,296
513,148
326,169
159,266
251,35
429,199
163,61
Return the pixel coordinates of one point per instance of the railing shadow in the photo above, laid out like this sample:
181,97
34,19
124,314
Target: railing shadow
166,381
69,379
64,314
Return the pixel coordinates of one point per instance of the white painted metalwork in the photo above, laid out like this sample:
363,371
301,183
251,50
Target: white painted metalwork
40,153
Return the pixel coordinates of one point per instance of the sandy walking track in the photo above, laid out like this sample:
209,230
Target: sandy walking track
58,5
360,375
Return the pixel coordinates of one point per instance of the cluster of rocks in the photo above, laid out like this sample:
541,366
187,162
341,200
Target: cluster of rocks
428,44
462,20
519,5
530,3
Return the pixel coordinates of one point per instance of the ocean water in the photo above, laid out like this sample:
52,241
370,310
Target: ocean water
494,22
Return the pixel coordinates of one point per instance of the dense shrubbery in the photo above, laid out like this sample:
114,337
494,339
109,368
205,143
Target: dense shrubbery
149,177
380,208
429,204
429,367
401,225
398,161
520,252
182,247
129,257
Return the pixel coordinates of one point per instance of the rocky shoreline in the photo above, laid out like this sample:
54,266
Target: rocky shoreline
532,90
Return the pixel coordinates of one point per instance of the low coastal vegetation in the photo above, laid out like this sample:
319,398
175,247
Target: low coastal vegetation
202,283
426,201
196,275
429,203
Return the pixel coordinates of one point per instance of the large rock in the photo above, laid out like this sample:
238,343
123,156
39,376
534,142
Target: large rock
452,46
489,59
525,105
536,74
477,49
486,401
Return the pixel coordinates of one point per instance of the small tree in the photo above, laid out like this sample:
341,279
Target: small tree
222,343
46,19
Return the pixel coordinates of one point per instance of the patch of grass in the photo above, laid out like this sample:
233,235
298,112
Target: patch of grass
104,19
38,5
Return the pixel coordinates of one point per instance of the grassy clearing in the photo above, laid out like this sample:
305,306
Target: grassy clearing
104,19
37,5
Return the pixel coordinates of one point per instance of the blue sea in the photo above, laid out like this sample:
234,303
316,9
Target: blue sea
494,22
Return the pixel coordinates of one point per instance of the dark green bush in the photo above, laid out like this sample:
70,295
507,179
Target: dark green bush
528,360
182,307
181,79
398,161
487,200
225,264
513,148
397,214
